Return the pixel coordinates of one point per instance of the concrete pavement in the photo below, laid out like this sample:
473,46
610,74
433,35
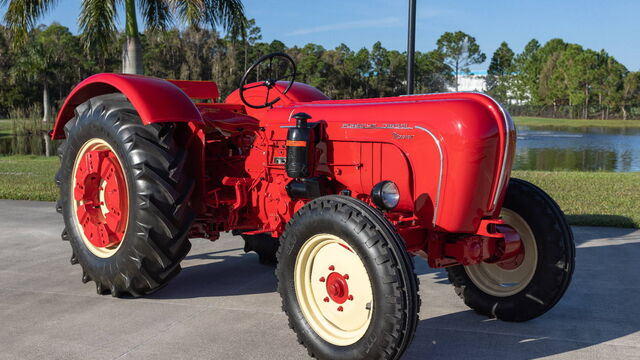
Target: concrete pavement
224,306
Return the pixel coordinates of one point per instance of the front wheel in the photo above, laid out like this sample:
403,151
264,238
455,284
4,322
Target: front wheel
531,283
346,281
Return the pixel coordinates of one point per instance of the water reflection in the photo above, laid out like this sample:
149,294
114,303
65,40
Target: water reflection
31,144
581,149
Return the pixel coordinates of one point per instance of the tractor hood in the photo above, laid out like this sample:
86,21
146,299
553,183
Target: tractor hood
450,154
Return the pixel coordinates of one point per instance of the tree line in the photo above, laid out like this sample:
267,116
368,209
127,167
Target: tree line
552,77
563,79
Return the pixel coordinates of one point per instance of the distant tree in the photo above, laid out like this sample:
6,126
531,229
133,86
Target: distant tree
552,75
527,67
630,92
97,20
501,61
42,61
200,48
380,66
609,83
352,70
499,72
460,50
7,92
164,53
432,74
251,35
340,78
311,68
396,79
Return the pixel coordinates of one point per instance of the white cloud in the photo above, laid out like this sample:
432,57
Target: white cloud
360,24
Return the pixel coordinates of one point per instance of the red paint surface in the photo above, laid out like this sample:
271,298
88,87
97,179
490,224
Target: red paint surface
156,100
97,171
337,288
205,90
445,152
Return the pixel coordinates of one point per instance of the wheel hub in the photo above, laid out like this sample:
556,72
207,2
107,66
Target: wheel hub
100,194
508,277
337,287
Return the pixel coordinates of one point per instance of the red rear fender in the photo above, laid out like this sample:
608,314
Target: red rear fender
156,100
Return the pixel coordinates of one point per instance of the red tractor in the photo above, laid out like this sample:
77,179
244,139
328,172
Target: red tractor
341,194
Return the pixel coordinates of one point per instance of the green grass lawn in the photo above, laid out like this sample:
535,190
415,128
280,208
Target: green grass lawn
536,121
592,198
588,198
24,177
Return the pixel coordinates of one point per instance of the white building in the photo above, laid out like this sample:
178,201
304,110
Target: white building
474,81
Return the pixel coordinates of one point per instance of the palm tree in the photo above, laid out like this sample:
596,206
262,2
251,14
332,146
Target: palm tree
98,20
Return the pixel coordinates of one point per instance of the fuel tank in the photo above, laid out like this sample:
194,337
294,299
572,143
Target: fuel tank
449,154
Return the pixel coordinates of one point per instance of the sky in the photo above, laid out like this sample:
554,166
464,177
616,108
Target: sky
611,25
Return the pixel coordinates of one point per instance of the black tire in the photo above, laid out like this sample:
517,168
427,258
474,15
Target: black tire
264,245
390,269
554,267
159,213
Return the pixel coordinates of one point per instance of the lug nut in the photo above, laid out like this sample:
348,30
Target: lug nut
340,308
326,299
331,268
322,279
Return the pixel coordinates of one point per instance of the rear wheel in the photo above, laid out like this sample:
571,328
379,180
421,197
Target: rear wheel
346,281
124,196
531,283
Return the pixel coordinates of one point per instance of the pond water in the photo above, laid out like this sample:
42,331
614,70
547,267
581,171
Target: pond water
538,148
580,149
26,145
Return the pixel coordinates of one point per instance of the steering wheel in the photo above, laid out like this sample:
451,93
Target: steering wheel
277,63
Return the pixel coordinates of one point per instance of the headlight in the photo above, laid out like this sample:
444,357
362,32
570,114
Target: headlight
385,195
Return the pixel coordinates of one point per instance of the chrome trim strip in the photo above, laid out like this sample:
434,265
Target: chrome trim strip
435,210
291,114
508,125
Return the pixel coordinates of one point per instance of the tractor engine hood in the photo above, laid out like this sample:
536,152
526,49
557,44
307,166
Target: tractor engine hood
450,154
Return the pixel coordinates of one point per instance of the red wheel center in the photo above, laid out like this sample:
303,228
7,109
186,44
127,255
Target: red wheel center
337,287
101,196
512,249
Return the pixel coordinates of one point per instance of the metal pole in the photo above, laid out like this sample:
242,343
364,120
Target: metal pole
411,46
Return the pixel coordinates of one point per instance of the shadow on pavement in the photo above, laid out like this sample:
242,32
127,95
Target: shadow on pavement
600,305
220,275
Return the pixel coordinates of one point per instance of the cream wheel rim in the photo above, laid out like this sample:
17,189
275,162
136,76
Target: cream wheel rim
333,289
500,281
97,145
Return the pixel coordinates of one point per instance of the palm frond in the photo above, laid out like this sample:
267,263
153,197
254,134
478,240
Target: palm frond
157,14
191,12
98,23
228,14
22,15
225,13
